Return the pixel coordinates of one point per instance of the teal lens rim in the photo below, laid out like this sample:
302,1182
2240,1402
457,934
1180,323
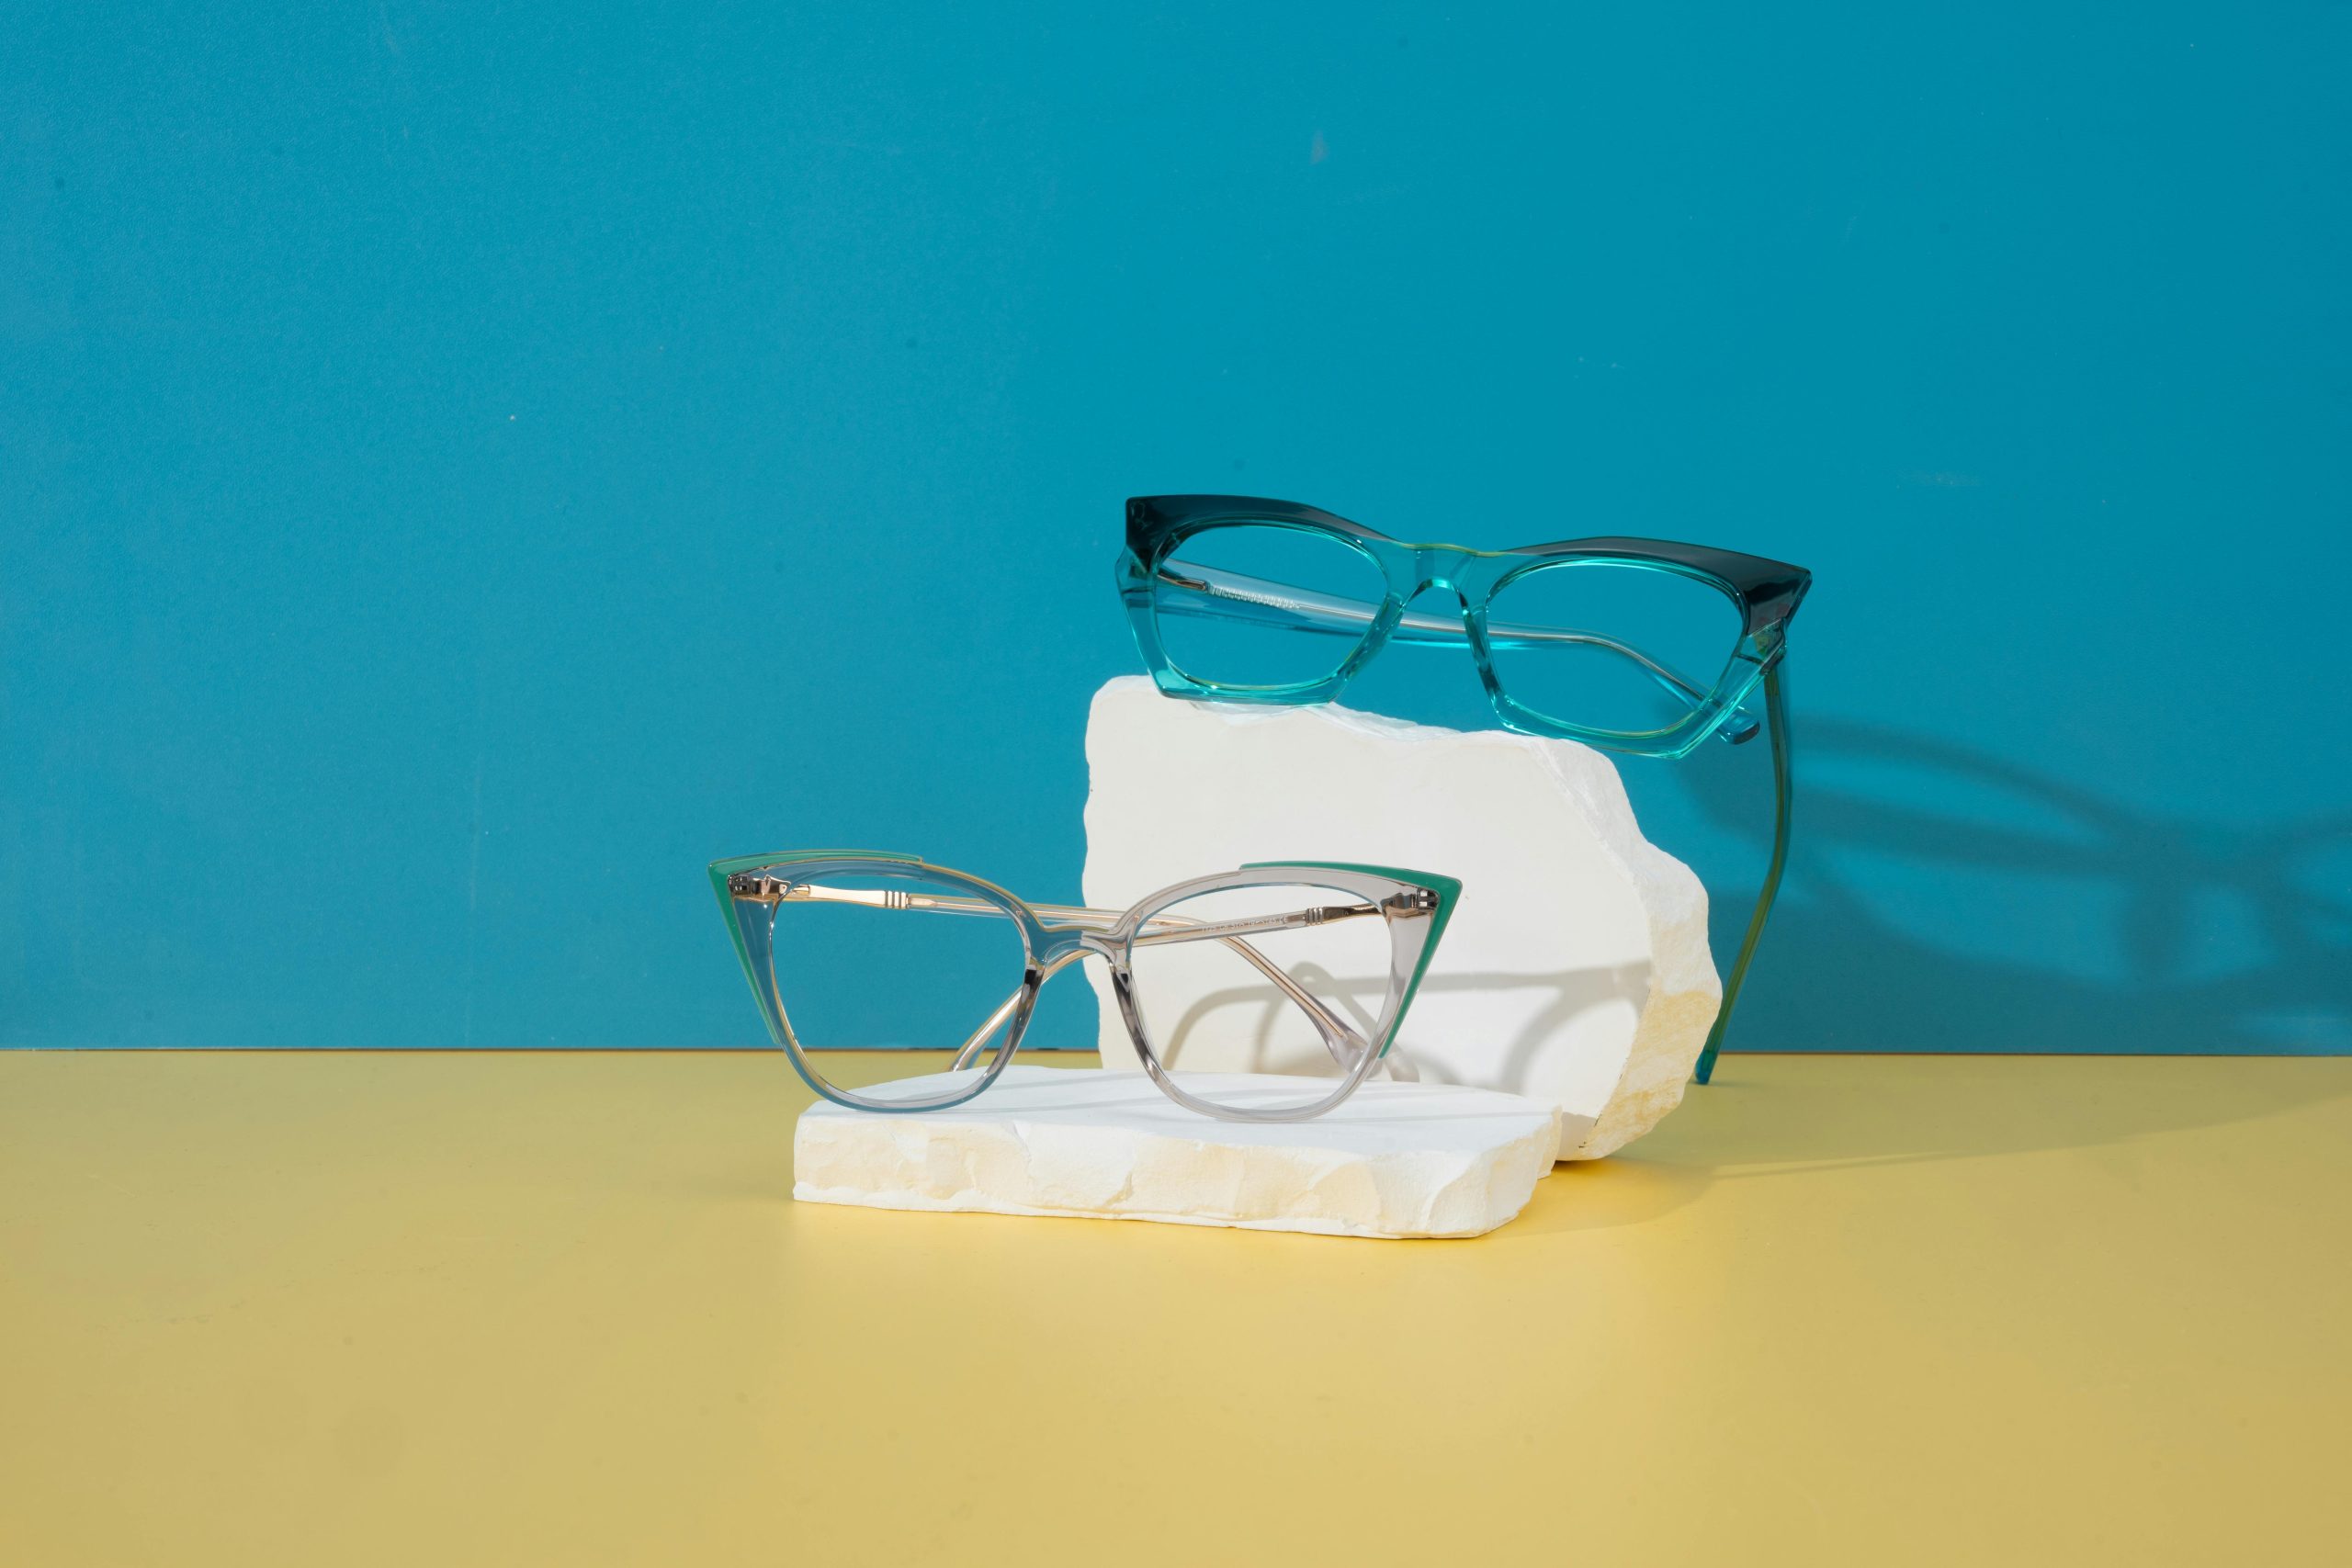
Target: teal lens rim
1277,608
1765,593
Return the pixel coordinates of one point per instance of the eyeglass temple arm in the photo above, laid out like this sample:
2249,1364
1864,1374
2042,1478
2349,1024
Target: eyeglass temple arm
1230,595
1158,930
1776,712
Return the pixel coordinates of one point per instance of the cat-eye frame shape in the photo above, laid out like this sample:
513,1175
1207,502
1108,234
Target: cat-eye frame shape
1320,958
1640,646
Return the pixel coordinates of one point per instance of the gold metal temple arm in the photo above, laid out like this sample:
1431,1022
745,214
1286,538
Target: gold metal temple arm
1160,929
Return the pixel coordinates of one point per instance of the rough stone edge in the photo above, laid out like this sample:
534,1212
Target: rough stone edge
1515,1166
1684,989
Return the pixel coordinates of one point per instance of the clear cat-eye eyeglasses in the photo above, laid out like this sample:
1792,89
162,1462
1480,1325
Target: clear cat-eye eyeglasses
1318,961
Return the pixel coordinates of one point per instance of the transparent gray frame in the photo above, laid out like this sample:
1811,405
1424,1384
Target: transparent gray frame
1415,905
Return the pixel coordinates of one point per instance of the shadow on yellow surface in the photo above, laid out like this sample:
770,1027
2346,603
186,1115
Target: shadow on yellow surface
1755,1121
295,1308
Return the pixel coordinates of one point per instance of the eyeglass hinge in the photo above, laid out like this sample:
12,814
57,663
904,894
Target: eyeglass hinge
755,887
1420,901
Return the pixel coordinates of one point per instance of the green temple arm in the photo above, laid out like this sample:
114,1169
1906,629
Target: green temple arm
1776,709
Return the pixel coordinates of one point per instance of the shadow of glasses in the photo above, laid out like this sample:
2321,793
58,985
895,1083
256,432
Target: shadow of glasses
2135,971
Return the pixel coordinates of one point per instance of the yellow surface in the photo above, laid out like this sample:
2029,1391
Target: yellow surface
436,1309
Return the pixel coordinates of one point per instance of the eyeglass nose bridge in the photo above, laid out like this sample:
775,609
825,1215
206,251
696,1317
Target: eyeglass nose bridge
1435,566
1441,584
1062,947
1053,950
1456,615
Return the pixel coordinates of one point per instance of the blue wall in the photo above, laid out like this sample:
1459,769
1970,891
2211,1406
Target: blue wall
460,471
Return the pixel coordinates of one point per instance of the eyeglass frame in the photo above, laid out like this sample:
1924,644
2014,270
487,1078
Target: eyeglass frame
1765,593
1415,907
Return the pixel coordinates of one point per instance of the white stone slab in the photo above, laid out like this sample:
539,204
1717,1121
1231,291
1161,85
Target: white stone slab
1576,970
1394,1160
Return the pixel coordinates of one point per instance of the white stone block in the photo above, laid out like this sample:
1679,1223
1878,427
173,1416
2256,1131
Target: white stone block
1576,970
1395,1161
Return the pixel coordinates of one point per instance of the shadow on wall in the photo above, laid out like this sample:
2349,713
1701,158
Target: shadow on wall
2091,928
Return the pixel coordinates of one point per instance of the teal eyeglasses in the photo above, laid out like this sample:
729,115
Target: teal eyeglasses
1636,646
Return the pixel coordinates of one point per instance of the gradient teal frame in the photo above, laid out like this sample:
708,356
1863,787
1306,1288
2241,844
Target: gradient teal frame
1765,593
